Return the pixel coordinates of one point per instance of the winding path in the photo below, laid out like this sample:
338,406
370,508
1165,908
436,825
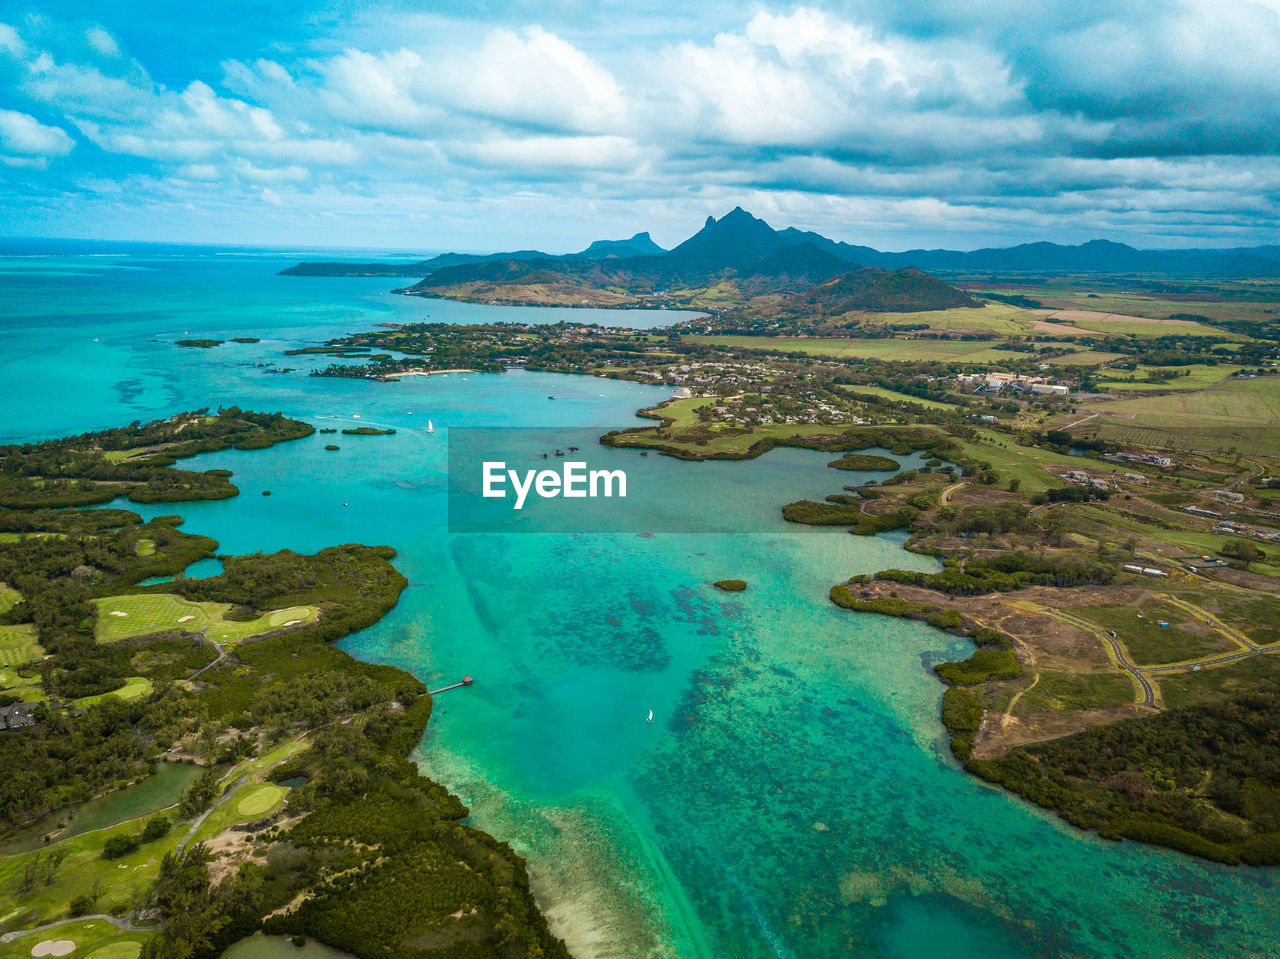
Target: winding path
222,654
945,497
199,820
1149,694
124,924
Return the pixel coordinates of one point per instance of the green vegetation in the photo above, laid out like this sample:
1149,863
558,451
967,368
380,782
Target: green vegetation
1205,779
1150,643
1061,691
124,616
136,462
367,431
199,344
879,348
961,717
730,585
287,706
864,461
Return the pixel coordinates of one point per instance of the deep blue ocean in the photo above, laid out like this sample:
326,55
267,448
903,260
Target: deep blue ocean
793,796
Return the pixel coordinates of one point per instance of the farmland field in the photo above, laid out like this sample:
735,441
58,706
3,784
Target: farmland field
960,351
1199,376
1240,413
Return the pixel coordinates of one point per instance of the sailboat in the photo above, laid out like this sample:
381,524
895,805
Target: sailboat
430,428
650,716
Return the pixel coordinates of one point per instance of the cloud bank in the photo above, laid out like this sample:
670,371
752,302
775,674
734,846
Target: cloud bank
894,125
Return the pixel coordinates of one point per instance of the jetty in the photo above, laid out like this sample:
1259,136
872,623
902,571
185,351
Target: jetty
466,681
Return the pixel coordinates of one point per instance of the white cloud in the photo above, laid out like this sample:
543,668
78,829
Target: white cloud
102,41
26,136
543,154
537,79
806,80
11,42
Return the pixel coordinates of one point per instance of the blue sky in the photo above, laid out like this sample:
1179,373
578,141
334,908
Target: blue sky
498,125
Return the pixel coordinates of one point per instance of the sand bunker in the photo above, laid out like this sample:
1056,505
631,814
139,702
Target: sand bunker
54,947
117,612
293,622
187,618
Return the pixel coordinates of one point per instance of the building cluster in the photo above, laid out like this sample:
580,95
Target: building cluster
17,716
1151,459
1144,570
1081,478
992,383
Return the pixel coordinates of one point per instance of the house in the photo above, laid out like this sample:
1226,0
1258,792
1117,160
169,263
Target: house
1152,571
17,716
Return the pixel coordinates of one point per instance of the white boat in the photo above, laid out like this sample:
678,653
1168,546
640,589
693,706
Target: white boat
430,428
651,715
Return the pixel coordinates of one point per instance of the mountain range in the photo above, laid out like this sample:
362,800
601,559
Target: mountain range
740,241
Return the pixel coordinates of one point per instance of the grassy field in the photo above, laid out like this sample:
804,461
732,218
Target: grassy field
1181,540
93,938
1199,376
1148,642
135,687
684,411
959,351
121,880
260,799
17,646
1240,413
161,612
895,395
1085,358
1023,463
1059,691
1142,329
995,317
1230,307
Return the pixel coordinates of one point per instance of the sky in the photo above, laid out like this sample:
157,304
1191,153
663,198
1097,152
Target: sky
503,125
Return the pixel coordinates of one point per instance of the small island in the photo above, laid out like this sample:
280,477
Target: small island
367,431
730,585
200,344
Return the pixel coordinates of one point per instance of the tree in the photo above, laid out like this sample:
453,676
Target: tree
1243,550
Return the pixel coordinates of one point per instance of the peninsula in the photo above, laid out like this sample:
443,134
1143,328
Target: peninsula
189,760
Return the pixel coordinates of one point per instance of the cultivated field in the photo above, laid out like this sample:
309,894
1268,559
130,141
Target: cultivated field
1244,414
1199,376
959,351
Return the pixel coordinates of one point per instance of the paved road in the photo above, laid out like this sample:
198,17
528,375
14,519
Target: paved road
1207,617
1216,661
124,924
199,820
1148,693
222,654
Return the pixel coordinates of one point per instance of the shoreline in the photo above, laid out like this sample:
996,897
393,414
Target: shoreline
392,377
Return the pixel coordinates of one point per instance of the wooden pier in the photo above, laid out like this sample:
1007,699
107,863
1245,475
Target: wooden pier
466,681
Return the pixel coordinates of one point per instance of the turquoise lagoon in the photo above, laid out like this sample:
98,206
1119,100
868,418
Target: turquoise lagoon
793,796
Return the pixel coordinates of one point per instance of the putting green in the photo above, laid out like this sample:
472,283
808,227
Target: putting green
124,949
122,617
259,800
